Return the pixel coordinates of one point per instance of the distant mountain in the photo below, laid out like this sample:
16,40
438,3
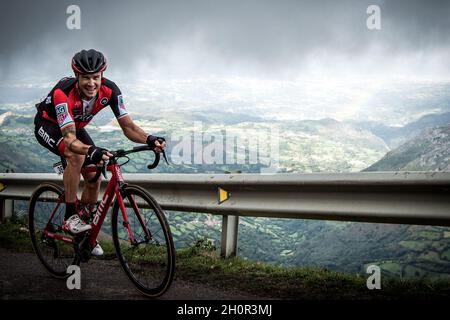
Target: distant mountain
430,151
222,117
395,136
327,145
324,145
26,156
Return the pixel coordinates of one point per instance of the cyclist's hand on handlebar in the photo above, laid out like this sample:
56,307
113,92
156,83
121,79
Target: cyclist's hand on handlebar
157,144
160,146
105,157
98,155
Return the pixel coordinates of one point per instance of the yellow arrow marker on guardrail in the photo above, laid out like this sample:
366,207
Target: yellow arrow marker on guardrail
2,187
223,195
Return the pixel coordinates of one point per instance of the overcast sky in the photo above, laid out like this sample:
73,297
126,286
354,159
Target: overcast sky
248,38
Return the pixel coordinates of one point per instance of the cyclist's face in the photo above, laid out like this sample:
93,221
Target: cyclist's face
89,84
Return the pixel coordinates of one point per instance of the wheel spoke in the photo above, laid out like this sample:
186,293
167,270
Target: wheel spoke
54,254
149,263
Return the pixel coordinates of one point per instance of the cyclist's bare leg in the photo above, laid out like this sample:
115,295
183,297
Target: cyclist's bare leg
71,175
91,190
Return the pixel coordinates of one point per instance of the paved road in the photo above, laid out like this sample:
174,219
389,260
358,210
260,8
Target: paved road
22,277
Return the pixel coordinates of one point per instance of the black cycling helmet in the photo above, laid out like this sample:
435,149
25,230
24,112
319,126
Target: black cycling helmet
88,61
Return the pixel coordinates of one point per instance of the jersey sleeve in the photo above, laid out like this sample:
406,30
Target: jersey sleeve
63,114
116,102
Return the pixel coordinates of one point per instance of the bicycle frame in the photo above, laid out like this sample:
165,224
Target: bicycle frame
113,190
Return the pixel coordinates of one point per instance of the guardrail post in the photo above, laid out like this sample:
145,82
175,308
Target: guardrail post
6,209
229,236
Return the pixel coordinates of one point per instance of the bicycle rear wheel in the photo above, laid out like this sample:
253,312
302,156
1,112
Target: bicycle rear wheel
143,242
46,212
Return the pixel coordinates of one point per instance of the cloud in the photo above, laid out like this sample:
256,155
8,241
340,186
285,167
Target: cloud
262,38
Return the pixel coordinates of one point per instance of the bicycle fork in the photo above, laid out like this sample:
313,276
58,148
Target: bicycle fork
126,222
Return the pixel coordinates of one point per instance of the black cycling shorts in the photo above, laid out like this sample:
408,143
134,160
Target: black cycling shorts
49,135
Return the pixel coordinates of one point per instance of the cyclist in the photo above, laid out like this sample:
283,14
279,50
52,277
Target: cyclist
59,127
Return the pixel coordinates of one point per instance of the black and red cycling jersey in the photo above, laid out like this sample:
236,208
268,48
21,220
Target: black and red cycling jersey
64,105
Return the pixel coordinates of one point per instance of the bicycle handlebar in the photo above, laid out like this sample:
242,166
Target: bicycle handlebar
122,153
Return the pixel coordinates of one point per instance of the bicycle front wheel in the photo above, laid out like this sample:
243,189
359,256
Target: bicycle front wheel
143,241
45,217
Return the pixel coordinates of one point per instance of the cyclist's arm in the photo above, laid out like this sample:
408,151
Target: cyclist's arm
66,123
71,142
131,130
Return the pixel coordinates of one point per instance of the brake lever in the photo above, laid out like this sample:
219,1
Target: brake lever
100,171
165,157
104,169
157,158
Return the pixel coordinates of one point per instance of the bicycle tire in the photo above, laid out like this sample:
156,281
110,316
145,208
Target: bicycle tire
62,254
157,260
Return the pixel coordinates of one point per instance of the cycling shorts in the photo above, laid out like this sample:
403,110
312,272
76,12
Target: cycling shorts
49,135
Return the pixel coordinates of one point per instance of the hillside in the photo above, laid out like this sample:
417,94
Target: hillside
402,251
304,146
395,136
429,151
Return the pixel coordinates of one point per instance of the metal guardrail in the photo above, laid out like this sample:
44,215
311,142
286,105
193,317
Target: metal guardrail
382,197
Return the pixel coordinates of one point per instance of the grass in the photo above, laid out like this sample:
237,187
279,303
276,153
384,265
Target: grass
14,235
202,263
205,266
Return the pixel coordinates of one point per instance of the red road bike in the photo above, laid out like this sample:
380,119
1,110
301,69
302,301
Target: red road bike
140,231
